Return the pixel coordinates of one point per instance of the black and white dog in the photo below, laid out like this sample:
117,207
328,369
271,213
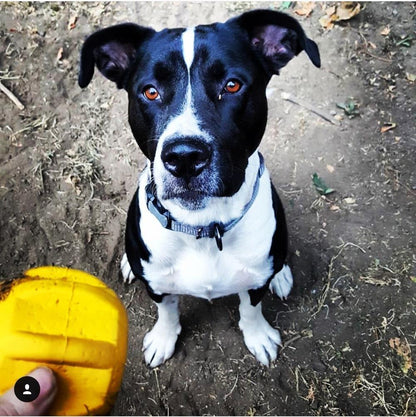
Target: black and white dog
206,220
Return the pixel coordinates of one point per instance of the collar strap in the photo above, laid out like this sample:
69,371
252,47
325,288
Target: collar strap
213,230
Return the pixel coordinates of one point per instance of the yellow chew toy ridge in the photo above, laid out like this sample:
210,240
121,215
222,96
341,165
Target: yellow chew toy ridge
71,322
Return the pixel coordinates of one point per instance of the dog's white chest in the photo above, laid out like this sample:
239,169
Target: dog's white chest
203,271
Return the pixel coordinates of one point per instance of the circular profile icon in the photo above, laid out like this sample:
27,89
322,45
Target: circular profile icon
27,389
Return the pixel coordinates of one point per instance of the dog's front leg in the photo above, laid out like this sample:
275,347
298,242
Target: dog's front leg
260,338
159,343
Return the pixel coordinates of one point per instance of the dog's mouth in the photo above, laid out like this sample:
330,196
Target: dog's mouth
189,199
193,194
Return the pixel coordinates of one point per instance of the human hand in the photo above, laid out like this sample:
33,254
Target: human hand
10,405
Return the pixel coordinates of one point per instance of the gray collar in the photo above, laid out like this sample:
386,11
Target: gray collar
213,230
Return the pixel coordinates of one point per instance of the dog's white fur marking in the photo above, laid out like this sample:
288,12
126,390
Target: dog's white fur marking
282,282
185,123
188,51
159,343
126,271
188,47
260,338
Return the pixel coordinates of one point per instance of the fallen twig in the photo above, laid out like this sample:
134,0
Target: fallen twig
232,389
369,53
11,96
288,97
303,333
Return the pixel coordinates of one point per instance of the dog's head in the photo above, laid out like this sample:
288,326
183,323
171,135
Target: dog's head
197,104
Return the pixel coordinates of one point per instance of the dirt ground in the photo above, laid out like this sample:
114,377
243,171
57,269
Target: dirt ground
69,167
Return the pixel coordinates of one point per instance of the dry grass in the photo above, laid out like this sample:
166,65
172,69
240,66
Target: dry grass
329,277
387,275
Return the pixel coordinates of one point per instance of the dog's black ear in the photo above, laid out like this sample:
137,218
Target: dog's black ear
112,49
278,36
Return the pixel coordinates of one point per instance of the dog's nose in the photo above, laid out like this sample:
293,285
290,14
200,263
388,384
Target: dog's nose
186,158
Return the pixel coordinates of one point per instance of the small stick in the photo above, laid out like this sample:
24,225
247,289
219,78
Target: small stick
232,389
370,54
288,97
11,96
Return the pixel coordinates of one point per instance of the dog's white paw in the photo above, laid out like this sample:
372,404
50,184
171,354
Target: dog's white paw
261,339
282,282
126,271
159,343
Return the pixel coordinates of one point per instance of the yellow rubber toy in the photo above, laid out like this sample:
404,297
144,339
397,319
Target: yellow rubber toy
71,322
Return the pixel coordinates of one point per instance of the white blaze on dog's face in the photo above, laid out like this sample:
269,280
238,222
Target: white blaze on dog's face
183,138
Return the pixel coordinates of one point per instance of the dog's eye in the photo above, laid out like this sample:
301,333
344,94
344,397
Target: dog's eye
151,93
232,86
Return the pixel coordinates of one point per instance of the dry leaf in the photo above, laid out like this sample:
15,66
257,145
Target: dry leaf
330,10
350,200
411,77
305,8
388,126
342,11
402,348
311,394
326,22
347,10
72,22
74,181
386,31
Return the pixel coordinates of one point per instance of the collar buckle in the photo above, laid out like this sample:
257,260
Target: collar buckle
218,236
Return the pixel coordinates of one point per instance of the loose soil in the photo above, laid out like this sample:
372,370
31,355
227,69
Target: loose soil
69,167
